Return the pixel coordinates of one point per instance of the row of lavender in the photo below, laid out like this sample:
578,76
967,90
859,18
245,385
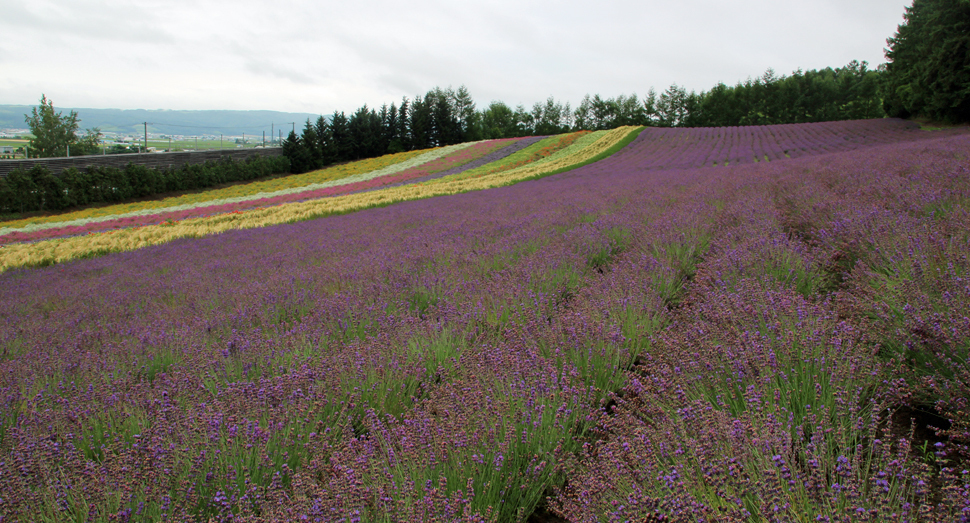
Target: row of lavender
718,345
820,370
720,146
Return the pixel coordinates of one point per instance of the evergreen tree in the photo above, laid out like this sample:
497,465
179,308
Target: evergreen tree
860,91
311,144
365,132
650,108
445,129
551,118
343,145
294,149
404,125
54,133
524,122
928,73
717,107
673,107
605,111
465,115
421,123
498,121
629,111
325,145
583,116
383,139
392,130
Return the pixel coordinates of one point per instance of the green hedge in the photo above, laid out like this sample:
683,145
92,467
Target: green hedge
38,189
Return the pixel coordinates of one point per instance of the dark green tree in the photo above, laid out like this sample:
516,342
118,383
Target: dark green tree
583,115
524,122
343,143
301,159
383,125
498,121
325,146
311,143
404,124
551,117
928,73
629,110
675,105
54,133
365,133
468,123
392,131
445,127
421,123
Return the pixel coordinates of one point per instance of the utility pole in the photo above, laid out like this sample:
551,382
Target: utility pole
220,141
196,143
146,137
68,150
264,138
271,131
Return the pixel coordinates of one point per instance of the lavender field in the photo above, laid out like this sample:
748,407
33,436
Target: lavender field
675,333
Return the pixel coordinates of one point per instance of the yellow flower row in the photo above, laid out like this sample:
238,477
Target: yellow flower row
538,151
584,148
60,250
286,182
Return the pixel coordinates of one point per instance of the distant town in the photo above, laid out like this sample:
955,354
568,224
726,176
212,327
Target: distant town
14,142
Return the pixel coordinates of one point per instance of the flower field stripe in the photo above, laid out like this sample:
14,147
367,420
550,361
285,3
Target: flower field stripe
348,184
424,158
617,342
384,164
535,152
652,149
455,161
63,249
670,148
489,158
603,153
447,162
584,148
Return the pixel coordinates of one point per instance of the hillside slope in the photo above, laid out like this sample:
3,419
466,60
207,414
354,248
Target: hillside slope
783,340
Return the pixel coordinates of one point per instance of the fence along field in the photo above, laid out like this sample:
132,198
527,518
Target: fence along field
617,342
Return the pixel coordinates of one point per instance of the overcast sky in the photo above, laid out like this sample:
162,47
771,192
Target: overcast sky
320,56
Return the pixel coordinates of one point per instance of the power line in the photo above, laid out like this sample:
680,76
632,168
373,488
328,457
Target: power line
208,126
205,126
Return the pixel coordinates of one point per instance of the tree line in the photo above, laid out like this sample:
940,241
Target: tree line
448,116
928,69
39,189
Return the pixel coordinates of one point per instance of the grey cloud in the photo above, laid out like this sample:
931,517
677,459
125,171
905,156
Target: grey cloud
344,54
88,20
269,68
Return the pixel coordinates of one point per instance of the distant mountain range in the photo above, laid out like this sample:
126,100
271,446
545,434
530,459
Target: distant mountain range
161,121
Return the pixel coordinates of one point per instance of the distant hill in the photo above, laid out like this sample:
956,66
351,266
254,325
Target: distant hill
161,121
